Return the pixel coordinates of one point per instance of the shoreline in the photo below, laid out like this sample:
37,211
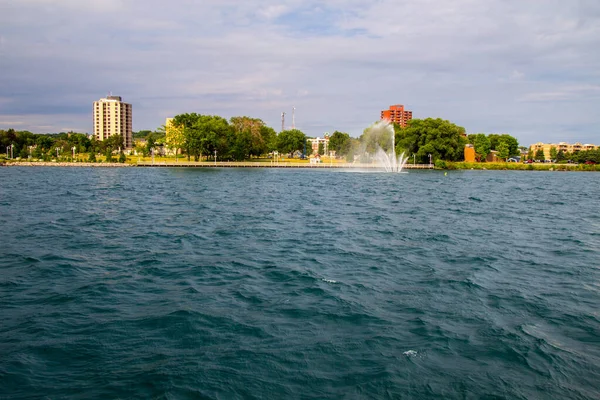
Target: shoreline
447,166
62,164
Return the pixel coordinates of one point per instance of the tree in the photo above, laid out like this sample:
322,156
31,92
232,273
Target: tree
530,154
174,137
321,148
539,155
150,142
482,146
241,148
377,136
340,143
290,141
503,150
114,142
186,123
553,153
269,137
494,139
205,134
251,131
122,158
442,139
141,134
92,157
512,143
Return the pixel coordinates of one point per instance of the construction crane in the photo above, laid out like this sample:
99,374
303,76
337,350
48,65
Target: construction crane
293,117
282,121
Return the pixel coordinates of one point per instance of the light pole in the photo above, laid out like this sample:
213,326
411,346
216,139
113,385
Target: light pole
429,159
11,151
73,148
414,159
30,147
57,148
215,157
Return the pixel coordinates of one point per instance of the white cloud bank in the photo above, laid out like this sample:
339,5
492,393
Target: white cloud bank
529,68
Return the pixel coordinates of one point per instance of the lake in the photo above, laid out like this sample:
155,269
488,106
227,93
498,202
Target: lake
272,283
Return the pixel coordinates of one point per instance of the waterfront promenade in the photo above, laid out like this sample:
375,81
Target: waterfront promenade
284,164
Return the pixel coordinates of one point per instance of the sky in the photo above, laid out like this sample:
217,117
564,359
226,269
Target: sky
529,68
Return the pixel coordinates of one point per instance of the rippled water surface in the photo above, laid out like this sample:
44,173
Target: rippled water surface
265,283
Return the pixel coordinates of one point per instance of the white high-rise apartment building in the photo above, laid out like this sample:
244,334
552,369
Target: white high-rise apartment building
113,117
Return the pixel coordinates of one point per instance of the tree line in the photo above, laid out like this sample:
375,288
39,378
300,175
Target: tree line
238,139
560,156
200,136
48,146
441,139
505,145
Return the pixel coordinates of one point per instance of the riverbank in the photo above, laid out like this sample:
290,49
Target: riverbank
440,165
218,164
62,164
516,166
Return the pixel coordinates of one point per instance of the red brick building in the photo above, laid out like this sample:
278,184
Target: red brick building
397,114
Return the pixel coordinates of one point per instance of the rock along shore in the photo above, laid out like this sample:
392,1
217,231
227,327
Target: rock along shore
62,164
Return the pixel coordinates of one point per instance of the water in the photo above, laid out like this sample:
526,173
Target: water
224,283
382,133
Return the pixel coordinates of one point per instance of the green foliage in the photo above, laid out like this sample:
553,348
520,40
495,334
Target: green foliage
503,150
122,158
340,142
290,141
92,157
530,154
205,134
441,164
146,134
113,143
585,156
482,146
539,155
350,155
512,144
442,139
149,148
553,153
250,137
376,136
109,157
321,148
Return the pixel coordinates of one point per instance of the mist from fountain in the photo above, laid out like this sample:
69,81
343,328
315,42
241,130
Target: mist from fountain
382,134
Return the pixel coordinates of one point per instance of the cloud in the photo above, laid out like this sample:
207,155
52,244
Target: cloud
564,93
339,63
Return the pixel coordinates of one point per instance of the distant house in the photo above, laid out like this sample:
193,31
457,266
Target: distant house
492,157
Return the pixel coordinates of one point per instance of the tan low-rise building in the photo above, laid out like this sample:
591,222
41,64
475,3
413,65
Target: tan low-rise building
564,146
